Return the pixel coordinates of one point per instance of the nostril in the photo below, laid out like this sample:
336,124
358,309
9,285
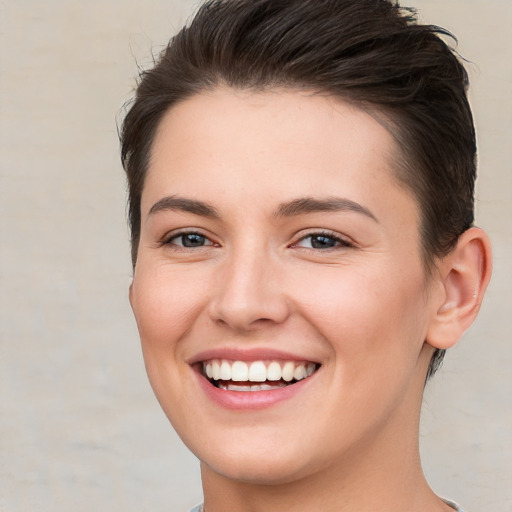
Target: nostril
247,298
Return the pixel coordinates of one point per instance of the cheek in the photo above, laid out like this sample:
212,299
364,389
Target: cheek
374,328
163,302
367,315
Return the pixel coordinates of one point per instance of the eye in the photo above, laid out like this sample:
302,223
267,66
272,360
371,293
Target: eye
189,240
322,241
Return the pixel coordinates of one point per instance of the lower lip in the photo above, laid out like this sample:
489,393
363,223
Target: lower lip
251,399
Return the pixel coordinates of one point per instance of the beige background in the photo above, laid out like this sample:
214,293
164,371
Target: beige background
80,429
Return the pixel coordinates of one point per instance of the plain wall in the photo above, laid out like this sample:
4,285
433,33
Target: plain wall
79,428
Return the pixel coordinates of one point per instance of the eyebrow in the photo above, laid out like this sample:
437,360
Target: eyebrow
176,203
331,204
292,208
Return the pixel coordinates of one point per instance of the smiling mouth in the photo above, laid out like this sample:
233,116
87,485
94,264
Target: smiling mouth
256,375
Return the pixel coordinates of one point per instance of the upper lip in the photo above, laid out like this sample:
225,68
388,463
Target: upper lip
252,354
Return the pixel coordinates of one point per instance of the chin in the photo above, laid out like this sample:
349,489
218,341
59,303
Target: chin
269,458
258,470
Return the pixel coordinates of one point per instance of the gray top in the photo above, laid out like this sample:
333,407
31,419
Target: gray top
454,505
451,503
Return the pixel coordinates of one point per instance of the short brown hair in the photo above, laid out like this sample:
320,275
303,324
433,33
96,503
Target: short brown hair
372,53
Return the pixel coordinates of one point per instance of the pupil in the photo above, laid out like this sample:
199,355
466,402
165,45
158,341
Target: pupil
322,242
193,240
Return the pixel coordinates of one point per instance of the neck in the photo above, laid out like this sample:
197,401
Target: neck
376,481
382,473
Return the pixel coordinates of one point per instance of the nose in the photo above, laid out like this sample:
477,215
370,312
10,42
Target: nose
250,294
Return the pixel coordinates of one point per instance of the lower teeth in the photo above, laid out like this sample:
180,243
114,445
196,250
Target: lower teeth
255,387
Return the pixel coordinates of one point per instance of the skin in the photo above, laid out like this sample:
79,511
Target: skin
362,308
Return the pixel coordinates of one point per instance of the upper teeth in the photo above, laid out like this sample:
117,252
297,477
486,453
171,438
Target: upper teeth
257,371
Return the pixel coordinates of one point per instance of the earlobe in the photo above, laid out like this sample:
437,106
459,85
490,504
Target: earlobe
464,275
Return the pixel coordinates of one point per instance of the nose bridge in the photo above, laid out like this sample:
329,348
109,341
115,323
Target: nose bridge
249,291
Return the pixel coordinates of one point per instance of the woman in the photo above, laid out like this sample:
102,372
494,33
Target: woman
301,182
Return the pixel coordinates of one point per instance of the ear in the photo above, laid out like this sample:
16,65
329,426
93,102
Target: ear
462,277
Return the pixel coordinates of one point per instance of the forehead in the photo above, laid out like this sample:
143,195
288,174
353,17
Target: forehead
307,116
272,143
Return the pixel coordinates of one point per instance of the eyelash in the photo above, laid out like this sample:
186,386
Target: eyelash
338,242
169,240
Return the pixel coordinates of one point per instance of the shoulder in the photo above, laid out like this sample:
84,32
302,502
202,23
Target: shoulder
199,508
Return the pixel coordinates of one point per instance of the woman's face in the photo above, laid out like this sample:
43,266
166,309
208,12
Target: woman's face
275,245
